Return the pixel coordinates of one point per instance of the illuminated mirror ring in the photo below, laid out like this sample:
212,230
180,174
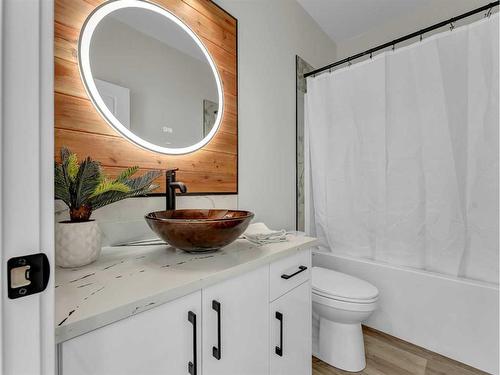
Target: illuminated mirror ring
85,71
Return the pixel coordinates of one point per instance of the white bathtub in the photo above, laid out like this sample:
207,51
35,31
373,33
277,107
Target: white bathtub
454,317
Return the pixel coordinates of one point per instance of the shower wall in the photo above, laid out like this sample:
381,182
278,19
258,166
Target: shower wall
302,67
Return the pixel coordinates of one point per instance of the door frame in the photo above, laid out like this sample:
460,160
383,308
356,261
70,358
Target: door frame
26,179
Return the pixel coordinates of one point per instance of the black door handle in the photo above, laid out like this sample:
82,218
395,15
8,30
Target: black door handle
301,269
279,349
217,350
192,366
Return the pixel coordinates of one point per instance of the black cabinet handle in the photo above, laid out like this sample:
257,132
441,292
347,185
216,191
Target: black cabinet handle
279,349
216,350
301,269
192,366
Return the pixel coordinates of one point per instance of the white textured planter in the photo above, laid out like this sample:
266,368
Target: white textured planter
77,244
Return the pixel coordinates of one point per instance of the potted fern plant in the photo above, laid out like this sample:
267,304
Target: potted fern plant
84,188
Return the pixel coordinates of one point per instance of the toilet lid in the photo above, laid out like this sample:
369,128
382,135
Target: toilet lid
338,285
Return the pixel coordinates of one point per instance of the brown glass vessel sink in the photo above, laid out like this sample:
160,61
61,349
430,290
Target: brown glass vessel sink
199,230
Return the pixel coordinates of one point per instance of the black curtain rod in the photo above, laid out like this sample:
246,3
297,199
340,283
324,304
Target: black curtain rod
402,39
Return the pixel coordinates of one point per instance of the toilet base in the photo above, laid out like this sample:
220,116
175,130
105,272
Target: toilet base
341,345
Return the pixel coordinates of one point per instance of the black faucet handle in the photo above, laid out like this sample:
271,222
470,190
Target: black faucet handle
171,171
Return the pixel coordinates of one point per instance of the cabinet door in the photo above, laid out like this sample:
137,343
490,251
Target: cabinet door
157,341
244,308
290,333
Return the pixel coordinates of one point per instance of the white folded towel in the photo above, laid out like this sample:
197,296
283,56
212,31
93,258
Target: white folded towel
260,234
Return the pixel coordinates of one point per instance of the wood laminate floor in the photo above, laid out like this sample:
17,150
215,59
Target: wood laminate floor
387,355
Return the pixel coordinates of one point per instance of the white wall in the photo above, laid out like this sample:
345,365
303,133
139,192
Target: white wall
167,86
435,12
123,221
270,34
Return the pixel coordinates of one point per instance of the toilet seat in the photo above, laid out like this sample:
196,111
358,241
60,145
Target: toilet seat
343,299
344,305
329,284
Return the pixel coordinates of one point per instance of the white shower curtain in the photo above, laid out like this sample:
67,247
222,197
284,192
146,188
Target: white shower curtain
403,155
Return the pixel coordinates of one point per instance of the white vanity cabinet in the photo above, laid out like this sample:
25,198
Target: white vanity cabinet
157,341
237,310
255,322
290,333
290,315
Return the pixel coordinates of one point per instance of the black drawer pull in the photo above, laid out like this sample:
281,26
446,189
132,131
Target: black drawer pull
301,269
192,366
279,349
216,350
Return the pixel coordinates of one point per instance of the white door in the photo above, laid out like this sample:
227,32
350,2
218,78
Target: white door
26,181
155,342
117,99
243,303
290,333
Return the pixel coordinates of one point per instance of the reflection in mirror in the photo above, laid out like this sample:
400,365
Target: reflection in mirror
210,110
155,78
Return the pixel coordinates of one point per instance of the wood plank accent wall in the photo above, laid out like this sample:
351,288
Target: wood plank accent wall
78,125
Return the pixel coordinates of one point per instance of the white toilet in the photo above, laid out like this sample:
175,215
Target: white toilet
342,302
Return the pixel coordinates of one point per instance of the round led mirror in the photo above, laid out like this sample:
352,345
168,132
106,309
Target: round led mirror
150,76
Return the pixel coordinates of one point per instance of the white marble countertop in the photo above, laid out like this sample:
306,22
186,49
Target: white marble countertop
128,280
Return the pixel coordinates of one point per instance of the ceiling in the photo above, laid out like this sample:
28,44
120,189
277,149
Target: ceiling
345,19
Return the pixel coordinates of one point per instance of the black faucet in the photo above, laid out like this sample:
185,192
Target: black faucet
171,186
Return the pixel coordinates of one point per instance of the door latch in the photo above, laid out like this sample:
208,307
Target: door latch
27,275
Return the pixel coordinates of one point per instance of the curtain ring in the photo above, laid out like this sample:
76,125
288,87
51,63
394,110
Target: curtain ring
488,13
452,26
393,46
421,37
371,55
349,62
